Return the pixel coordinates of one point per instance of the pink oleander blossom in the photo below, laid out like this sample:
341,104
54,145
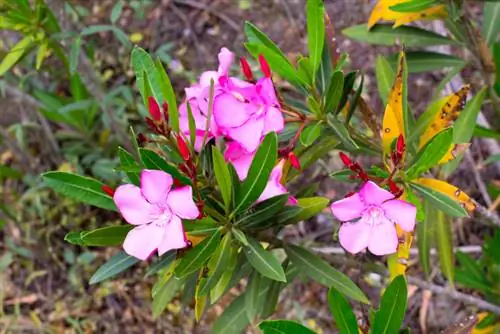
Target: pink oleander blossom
240,158
369,219
198,97
274,186
156,209
247,114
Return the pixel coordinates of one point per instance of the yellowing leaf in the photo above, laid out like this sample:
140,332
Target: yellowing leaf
195,239
449,190
448,113
396,263
383,12
393,124
487,330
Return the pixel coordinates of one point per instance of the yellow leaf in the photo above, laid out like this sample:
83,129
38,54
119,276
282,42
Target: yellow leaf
393,124
448,113
195,239
396,263
200,301
382,12
449,190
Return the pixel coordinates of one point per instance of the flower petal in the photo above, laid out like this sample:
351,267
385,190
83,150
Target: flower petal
240,159
226,58
273,120
402,213
207,76
173,237
155,185
132,205
181,203
229,112
354,237
142,241
383,239
372,194
348,208
248,135
274,186
265,89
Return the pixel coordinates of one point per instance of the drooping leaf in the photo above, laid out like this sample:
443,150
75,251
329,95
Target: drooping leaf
320,271
252,295
342,312
114,266
406,12
80,188
444,243
165,292
263,261
389,318
306,208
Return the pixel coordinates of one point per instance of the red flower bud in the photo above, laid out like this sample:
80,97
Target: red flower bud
264,66
164,107
245,68
345,159
141,139
294,161
177,183
400,145
183,149
108,190
154,109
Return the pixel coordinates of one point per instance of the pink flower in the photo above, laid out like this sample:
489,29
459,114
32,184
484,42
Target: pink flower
246,114
157,211
376,212
198,97
240,158
274,186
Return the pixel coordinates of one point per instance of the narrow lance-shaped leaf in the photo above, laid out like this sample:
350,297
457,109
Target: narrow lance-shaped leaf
334,92
127,160
283,326
252,295
442,201
320,271
263,261
114,266
223,176
425,233
385,77
464,126
491,22
444,242
315,31
342,312
169,95
390,316
104,236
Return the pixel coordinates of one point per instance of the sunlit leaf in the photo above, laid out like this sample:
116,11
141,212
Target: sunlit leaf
403,13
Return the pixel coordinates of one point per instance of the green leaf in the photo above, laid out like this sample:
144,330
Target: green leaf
220,287
334,92
116,11
425,119
315,32
353,102
169,95
234,318
342,133
310,134
114,266
385,77
203,226
426,61
306,208
165,293
74,55
198,255
320,271
349,81
216,265
311,154
440,200
80,188
105,236
142,63
491,159
128,161
283,327
444,243
390,316
464,125
491,22
342,313
16,53
152,160
162,262
259,218
385,34
223,176
425,232
483,132
263,261
259,172
7,172
252,295
430,154
413,6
